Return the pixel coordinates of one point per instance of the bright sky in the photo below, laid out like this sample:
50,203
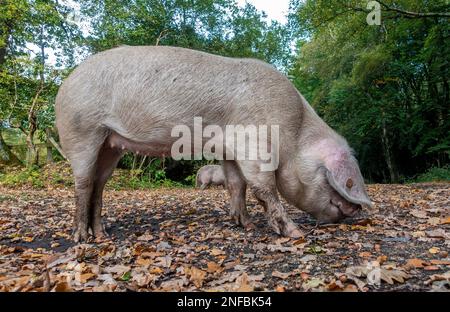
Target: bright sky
275,9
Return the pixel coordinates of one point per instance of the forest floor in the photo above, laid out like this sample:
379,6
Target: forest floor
183,239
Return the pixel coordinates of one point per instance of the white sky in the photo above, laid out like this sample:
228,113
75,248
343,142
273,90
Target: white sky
275,9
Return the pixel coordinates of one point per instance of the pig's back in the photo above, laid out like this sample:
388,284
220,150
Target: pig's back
127,87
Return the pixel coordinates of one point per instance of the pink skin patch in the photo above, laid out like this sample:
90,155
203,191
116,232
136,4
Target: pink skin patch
119,142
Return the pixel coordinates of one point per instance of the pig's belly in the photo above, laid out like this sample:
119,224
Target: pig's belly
150,148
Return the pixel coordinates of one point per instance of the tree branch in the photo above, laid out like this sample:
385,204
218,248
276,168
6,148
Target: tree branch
56,145
414,14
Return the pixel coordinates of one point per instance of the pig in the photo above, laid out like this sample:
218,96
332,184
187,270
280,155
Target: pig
210,175
130,97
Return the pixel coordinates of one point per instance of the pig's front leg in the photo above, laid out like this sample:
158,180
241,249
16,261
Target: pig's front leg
276,214
264,188
237,187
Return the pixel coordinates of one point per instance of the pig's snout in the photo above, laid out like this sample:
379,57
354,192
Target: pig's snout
346,208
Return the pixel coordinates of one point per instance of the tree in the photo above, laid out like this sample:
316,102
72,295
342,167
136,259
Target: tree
28,30
214,26
383,87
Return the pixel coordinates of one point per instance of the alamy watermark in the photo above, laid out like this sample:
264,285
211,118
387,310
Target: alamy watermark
229,142
374,17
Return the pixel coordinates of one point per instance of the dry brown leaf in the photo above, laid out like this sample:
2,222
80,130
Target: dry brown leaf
62,287
389,276
431,268
83,278
440,262
421,214
144,262
216,252
242,283
415,263
351,288
280,274
381,259
434,250
438,233
213,267
156,270
365,254
196,276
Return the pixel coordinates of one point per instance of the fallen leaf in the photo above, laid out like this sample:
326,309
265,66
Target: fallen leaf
280,274
62,287
216,252
197,276
313,283
434,221
440,262
382,259
144,262
431,268
434,250
213,267
421,214
118,269
438,233
243,284
83,278
389,276
351,288
365,254
415,263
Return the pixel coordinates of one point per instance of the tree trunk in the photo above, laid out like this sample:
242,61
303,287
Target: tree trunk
31,151
387,148
49,146
6,156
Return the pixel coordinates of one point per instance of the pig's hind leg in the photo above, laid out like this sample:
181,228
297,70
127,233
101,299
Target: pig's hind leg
237,187
107,160
83,159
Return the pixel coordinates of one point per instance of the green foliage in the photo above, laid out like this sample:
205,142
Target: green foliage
60,175
435,174
29,176
191,179
385,88
218,26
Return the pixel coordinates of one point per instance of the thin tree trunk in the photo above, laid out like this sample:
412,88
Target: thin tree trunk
58,148
387,148
32,156
49,146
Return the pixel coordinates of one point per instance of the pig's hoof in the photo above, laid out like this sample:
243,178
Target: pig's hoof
291,230
99,232
80,236
296,233
243,221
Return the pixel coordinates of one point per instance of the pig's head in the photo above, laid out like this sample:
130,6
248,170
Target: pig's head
332,185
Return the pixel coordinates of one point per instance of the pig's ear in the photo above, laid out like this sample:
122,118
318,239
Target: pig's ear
344,176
